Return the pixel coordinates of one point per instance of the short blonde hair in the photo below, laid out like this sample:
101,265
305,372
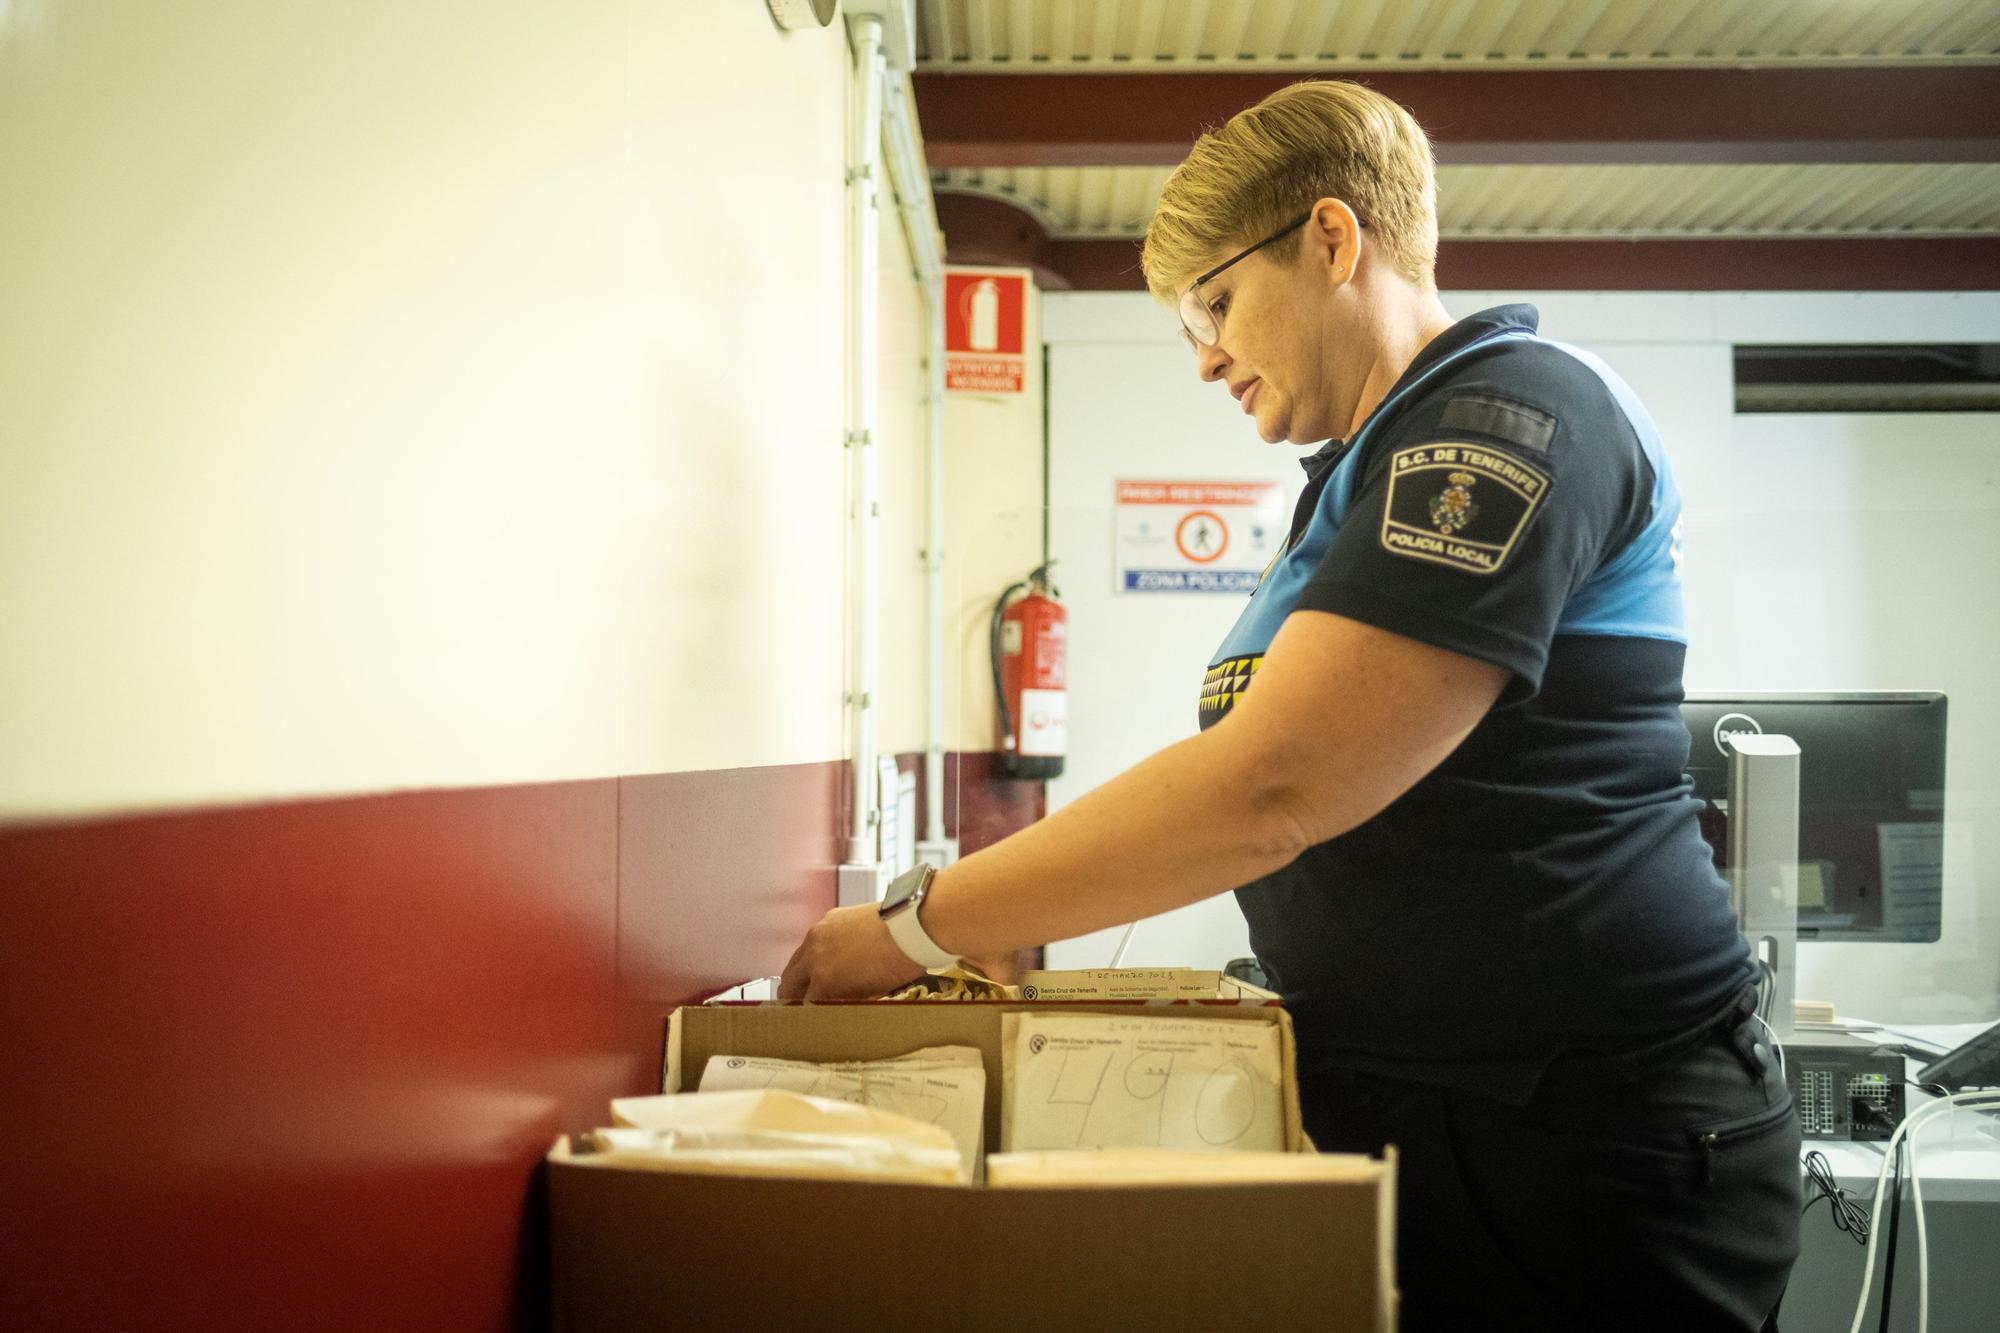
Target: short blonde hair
1320,138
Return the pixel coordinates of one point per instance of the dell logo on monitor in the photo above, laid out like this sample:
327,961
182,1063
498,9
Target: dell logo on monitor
1731,725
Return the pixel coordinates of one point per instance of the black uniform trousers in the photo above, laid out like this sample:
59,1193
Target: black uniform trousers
1658,1188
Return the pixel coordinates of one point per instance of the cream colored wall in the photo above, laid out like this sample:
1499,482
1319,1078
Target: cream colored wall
993,527
903,437
401,396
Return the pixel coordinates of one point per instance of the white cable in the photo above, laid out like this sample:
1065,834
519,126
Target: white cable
1923,1243
1889,1153
1923,1240
1124,943
1777,1047
1910,1121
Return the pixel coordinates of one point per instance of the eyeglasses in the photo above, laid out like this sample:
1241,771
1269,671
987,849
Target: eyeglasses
1199,324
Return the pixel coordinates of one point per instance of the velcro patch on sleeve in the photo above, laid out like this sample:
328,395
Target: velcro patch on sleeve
1501,418
1459,505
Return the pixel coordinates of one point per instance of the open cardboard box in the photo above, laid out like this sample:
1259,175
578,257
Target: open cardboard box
1139,983
637,1249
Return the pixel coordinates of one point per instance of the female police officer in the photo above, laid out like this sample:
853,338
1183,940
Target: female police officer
1441,765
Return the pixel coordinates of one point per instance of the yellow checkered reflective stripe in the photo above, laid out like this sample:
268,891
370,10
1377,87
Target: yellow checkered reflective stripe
1226,681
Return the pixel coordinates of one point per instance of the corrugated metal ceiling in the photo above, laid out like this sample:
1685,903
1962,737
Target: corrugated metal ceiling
1513,201
1592,201
1024,35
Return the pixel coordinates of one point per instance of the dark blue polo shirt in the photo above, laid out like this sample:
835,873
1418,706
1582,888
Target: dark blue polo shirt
1546,888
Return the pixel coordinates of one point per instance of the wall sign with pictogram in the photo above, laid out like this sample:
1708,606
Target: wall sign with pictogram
1196,536
984,313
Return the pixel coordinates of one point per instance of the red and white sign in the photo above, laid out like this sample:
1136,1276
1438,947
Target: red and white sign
984,313
1197,536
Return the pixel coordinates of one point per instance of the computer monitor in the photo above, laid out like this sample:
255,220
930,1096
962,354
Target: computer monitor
1871,803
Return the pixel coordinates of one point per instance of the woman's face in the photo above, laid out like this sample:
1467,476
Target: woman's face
1287,347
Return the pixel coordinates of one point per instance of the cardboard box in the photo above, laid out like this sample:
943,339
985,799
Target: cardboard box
1139,983
638,1249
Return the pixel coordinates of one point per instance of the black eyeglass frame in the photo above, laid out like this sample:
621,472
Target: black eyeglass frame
1193,293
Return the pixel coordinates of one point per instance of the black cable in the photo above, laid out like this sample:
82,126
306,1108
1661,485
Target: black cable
1848,1215
1895,1215
1934,1089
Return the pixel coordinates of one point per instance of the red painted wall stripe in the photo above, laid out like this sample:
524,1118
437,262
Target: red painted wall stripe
293,1066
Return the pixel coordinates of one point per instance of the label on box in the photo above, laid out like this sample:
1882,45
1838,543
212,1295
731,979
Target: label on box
1096,1081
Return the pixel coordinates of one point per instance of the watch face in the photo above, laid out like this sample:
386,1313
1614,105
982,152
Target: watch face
903,888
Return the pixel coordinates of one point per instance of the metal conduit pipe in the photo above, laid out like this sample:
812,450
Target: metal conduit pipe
936,848
864,159
911,178
885,124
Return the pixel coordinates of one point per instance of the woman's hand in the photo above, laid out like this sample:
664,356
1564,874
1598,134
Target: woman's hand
847,956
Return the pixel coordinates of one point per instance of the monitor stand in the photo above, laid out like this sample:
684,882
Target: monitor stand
1764,863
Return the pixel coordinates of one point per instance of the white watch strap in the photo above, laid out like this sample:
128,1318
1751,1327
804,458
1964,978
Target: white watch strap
910,937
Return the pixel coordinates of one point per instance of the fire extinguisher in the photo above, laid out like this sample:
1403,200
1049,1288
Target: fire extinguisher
1030,641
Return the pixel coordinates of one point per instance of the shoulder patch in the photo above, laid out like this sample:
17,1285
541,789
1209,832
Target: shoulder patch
1458,504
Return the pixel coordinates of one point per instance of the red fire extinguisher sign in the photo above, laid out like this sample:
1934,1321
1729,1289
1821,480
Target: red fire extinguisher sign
984,315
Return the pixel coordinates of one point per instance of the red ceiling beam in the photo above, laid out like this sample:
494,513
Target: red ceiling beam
1725,264
1949,114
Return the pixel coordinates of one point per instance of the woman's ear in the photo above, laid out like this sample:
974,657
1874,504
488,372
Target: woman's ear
1334,232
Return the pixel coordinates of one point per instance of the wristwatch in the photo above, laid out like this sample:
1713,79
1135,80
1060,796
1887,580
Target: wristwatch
900,906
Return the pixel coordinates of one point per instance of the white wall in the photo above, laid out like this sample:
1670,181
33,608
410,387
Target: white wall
993,525
401,396
1124,403
1824,552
